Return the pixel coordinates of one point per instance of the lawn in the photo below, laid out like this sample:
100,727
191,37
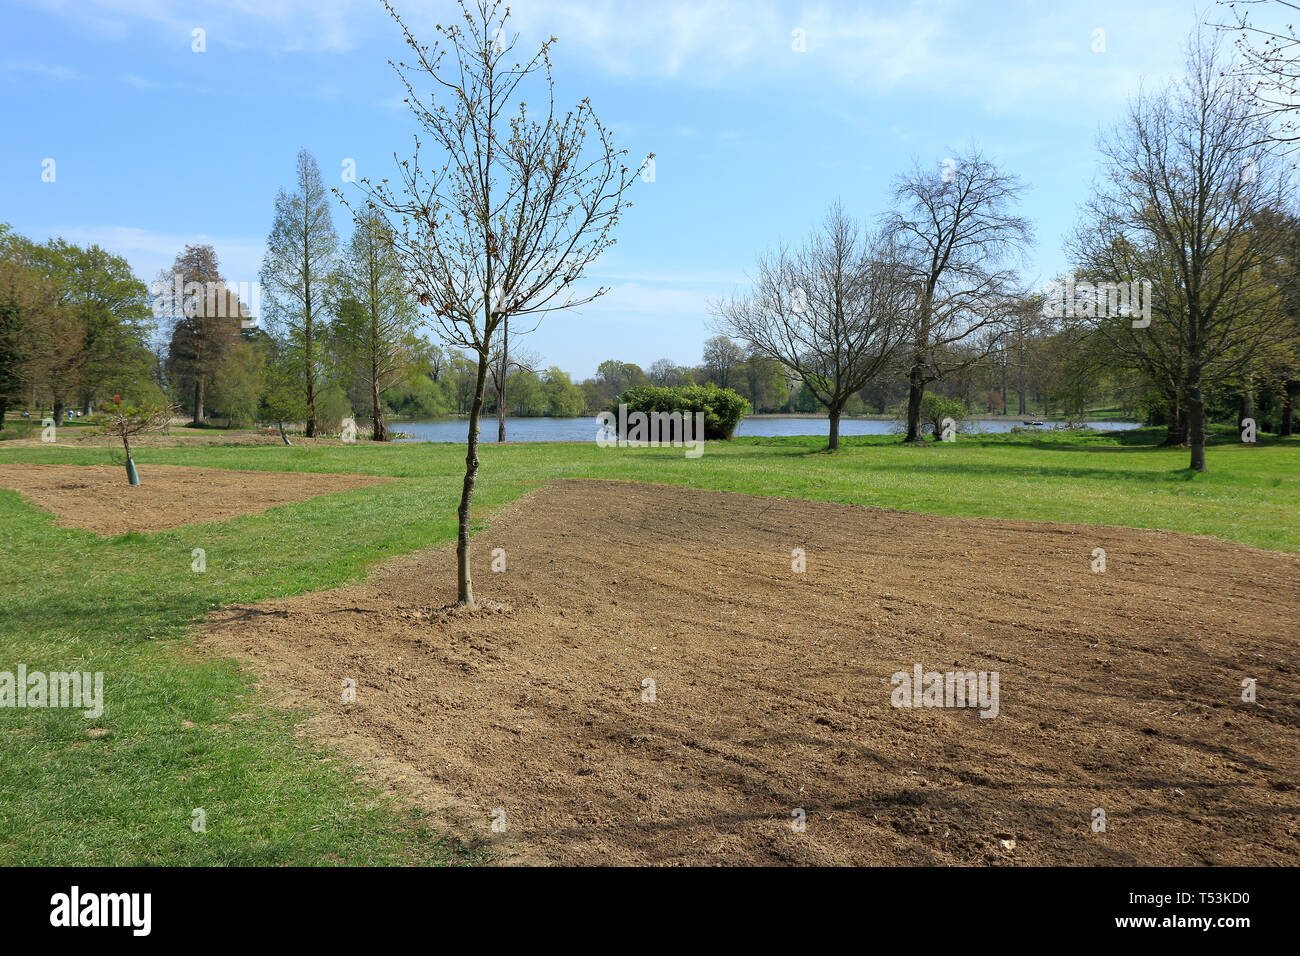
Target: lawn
184,731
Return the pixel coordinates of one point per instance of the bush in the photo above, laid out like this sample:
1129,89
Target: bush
935,408
723,408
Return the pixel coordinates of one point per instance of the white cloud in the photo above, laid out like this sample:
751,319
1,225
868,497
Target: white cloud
53,71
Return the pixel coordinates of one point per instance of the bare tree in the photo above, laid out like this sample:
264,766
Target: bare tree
1189,186
957,225
832,310
501,365
514,206
723,359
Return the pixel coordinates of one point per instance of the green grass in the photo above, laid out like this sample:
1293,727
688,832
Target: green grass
120,789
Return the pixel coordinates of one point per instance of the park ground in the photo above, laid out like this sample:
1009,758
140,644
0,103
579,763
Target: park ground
1120,691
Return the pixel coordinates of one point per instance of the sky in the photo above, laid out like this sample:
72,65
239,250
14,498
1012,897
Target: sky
760,114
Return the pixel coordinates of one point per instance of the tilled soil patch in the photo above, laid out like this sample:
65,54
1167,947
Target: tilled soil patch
98,497
768,734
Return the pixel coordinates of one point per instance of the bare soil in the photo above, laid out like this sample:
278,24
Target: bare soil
98,497
1119,691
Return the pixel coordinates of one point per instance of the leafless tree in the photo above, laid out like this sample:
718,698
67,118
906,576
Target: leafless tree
516,202
957,225
832,310
1185,204
501,365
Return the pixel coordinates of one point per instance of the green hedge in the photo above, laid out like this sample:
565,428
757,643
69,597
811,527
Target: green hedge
723,408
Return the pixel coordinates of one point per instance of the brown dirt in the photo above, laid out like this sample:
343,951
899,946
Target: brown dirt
1119,691
98,498
179,438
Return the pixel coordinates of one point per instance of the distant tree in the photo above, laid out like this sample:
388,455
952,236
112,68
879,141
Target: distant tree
1186,192
299,263
664,373
283,399
112,306
378,331
722,359
832,310
21,296
564,399
957,225
613,378
238,383
765,382
207,319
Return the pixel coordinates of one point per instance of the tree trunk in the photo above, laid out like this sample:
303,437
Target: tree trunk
915,392
1286,429
464,584
1196,426
283,437
501,382
377,406
1176,432
1245,408
835,412
311,388
198,400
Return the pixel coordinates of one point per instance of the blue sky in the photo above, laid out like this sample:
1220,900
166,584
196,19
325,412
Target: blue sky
156,146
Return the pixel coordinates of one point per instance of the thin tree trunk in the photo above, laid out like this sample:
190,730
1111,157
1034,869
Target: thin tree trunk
1245,408
1286,429
501,383
464,584
834,443
1176,432
1196,425
377,413
311,382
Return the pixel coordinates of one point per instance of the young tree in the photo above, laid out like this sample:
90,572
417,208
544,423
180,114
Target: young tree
127,420
300,255
515,205
238,383
1187,191
958,228
832,310
377,331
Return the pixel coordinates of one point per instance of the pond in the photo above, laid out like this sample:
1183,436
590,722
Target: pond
584,429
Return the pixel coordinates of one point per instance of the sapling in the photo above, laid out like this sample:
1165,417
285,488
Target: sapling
127,420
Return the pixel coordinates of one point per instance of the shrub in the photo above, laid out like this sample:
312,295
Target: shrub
723,408
935,408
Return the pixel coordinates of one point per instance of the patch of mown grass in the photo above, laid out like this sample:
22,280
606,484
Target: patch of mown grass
121,788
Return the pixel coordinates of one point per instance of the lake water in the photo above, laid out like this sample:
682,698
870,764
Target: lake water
584,429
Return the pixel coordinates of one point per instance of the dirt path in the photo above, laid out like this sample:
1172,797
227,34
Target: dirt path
1118,691
98,497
